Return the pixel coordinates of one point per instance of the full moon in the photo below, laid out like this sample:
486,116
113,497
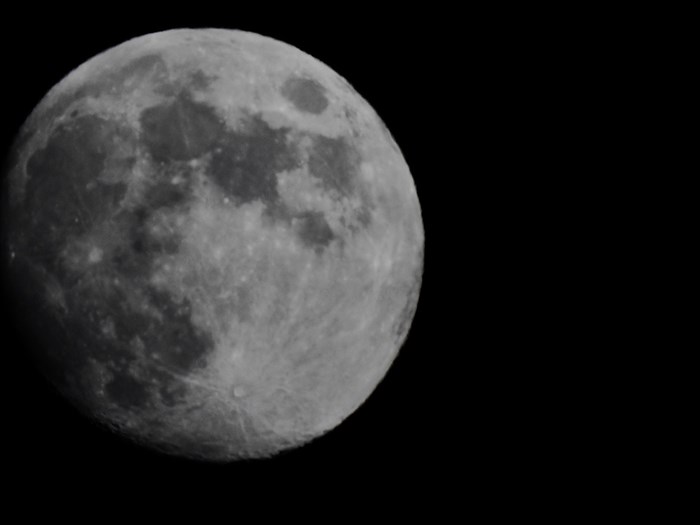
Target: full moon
214,244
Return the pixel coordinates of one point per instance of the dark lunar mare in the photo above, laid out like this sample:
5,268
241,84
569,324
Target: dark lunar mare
107,313
180,129
245,163
333,161
62,196
314,230
306,94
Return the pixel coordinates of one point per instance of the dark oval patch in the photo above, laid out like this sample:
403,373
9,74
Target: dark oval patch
306,94
180,129
246,163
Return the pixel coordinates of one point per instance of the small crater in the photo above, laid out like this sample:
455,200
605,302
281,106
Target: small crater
95,255
246,163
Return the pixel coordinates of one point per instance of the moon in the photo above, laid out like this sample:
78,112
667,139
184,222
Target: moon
214,245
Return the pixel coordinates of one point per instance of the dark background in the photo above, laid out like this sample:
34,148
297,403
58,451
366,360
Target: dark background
413,432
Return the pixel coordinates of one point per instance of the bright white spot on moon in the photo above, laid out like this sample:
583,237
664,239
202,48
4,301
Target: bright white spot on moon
95,255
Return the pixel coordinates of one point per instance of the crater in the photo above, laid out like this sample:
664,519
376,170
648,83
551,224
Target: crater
149,332
198,80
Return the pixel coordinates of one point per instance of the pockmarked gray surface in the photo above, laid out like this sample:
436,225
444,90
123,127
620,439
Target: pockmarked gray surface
215,243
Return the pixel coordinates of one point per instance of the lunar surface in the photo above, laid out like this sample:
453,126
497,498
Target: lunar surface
213,243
